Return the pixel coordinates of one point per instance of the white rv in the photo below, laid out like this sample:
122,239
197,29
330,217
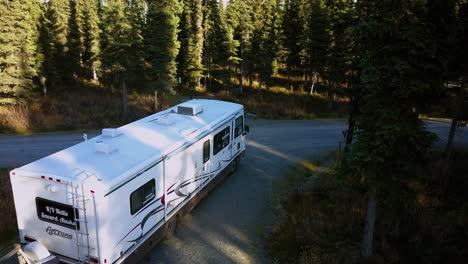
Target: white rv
111,198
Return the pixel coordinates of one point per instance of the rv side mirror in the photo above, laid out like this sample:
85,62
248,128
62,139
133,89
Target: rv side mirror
247,130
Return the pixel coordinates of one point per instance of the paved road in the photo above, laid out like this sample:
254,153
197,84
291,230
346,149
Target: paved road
228,225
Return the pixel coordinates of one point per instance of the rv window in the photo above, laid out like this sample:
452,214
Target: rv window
239,127
142,196
206,151
221,140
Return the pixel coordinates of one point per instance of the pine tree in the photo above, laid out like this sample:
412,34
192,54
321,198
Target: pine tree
87,22
215,52
59,70
161,44
315,37
390,137
268,42
191,67
19,52
239,17
292,28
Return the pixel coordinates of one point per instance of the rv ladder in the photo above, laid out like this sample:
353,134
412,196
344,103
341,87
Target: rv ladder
79,200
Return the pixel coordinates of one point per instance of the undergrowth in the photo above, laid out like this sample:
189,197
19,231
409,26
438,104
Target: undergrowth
322,220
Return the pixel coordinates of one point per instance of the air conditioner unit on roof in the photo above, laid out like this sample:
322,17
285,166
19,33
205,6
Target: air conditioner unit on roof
189,109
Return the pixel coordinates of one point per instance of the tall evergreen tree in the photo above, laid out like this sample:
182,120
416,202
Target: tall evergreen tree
390,137
19,52
191,67
59,69
315,37
215,52
87,21
239,17
161,44
292,28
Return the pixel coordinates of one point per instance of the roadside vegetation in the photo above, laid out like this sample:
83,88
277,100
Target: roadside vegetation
96,107
8,225
320,217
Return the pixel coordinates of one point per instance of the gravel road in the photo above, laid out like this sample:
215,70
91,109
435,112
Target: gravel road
228,225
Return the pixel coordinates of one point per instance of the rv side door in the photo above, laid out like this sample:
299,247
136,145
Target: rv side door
237,134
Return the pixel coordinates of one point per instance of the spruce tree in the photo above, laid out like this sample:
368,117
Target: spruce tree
161,44
191,67
59,68
216,44
392,41
19,51
315,37
292,28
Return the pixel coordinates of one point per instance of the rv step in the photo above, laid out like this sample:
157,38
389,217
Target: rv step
83,234
81,221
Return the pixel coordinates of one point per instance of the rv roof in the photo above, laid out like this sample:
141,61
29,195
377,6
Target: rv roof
141,142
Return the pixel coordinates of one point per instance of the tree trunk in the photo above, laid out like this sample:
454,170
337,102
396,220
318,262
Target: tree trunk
241,67
312,86
453,127
369,225
331,95
351,124
289,76
259,87
124,98
156,101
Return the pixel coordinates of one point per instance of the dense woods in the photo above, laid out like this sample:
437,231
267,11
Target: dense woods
391,60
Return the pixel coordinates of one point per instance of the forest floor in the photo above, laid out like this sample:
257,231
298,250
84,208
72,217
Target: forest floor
320,217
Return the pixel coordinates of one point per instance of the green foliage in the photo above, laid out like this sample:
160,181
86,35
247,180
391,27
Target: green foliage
390,138
19,52
122,56
161,44
60,66
190,66
316,36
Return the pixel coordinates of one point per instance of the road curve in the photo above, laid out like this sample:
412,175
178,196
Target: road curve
227,226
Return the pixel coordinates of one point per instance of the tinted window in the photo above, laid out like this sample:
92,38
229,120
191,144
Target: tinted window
239,127
221,140
142,196
206,151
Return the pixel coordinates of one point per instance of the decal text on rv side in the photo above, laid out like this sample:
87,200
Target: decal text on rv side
54,232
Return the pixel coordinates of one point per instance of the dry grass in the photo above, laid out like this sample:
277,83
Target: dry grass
281,104
317,219
84,110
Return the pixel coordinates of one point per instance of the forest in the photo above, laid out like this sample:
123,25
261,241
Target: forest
83,64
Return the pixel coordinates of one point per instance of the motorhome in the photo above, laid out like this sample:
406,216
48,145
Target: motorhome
109,199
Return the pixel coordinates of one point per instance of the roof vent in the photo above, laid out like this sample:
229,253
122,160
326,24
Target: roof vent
189,109
106,148
165,120
111,132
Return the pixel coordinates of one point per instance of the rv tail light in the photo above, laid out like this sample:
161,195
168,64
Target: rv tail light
29,239
92,191
58,180
93,260
42,177
51,179
105,261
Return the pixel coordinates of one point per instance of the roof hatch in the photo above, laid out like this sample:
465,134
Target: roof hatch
189,109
